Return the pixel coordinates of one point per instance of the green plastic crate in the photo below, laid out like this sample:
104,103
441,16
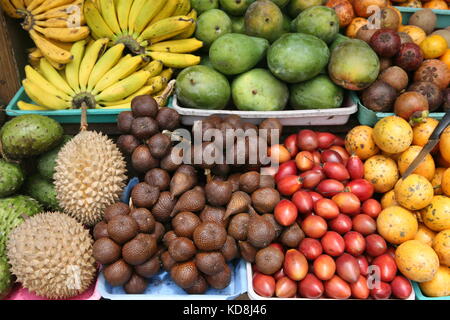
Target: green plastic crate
443,16
421,296
63,116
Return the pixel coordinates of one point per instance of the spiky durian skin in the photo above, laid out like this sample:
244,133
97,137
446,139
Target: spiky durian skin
89,176
51,255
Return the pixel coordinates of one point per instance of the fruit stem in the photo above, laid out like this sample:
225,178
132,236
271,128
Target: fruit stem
131,43
83,122
162,98
208,175
28,19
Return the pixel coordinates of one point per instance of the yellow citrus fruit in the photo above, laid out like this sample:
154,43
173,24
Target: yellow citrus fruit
433,46
426,168
414,192
445,58
437,180
436,4
417,34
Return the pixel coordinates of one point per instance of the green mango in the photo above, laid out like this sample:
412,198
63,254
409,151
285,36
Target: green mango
259,90
339,39
204,5
264,19
206,61
319,21
286,23
318,93
236,53
211,25
297,57
237,25
202,87
235,7
296,6
280,3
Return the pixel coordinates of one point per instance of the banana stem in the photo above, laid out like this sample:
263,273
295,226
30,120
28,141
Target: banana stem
83,122
162,98
132,44
28,19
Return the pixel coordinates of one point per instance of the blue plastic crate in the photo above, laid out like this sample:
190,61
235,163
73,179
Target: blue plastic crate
443,16
161,286
421,296
63,116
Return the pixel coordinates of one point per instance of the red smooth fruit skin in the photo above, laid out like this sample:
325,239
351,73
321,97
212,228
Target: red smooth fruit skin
324,267
285,288
336,170
279,274
339,141
304,161
360,290
314,226
401,287
383,291
347,268
347,202
291,145
303,201
315,196
362,188
277,245
325,139
329,187
311,248
337,288
363,265
333,244
355,244
331,156
264,285
289,184
342,152
286,169
310,287
364,224
391,251
375,245
317,157
307,140
341,224
387,267
311,178
285,212
326,208
295,265
355,167
371,207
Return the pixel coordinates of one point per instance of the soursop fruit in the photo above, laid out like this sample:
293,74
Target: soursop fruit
29,135
6,282
11,211
11,178
46,162
43,191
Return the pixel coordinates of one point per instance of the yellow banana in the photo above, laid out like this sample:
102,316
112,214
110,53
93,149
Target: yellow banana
51,101
62,11
56,65
73,68
104,64
156,82
143,91
146,14
167,27
135,11
50,4
126,105
166,75
166,11
89,60
109,15
182,8
125,87
60,22
34,4
39,80
122,70
18,4
22,105
123,11
27,3
50,50
95,21
9,9
175,60
35,53
189,31
177,46
155,67
53,76
64,34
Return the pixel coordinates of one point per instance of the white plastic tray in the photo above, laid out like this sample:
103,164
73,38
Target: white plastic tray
315,117
254,296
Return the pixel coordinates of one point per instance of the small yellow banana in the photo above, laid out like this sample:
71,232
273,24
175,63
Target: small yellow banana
126,105
155,67
50,50
18,4
35,53
123,11
177,46
64,34
22,105
189,31
35,77
175,60
53,23
96,22
104,64
125,87
146,14
109,14
166,75
143,91
53,76
156,82
34,4
73,68
62,11
56,65
166,28
182,8
135,11
51,101
166,11
50,4
9,9
89,60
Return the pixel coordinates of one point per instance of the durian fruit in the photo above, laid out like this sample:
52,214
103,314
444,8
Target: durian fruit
51,255
89,176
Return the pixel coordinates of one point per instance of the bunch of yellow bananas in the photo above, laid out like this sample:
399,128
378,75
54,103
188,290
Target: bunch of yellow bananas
161,28
54,25
97,76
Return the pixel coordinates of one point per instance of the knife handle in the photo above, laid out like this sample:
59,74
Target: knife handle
441,126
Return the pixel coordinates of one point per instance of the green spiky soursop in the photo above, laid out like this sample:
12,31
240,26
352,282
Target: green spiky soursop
46,162
5,278
11,178
43,191
11,211
30,135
